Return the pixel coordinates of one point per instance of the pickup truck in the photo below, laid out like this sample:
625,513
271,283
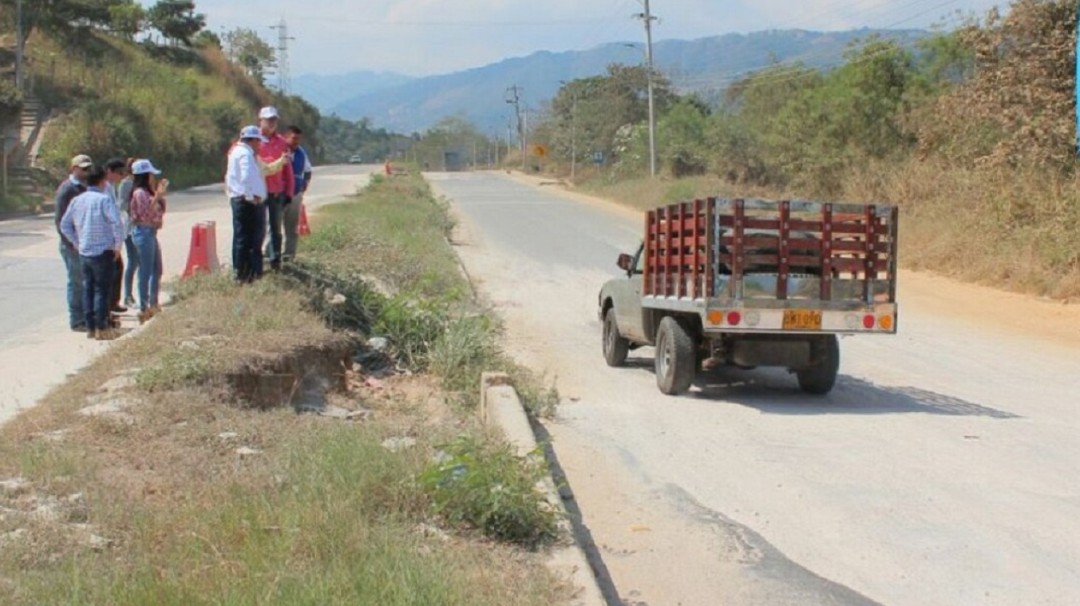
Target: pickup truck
751,283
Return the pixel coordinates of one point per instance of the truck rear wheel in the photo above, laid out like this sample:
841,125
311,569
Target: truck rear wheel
820,378
616,347
676,358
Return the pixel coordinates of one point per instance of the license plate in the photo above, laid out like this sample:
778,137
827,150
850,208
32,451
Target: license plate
802,319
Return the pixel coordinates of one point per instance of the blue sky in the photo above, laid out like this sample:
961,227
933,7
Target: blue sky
422,37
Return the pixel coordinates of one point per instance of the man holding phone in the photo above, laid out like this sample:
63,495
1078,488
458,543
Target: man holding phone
280,180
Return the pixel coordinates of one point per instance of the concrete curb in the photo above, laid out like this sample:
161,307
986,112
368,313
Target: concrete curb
501,407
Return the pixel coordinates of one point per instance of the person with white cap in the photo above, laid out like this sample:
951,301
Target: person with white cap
246,188
74,185
280,183
147,209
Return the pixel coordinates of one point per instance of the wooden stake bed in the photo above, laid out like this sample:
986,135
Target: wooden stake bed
705,249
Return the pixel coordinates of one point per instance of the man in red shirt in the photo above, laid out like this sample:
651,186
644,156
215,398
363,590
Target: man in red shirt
280,183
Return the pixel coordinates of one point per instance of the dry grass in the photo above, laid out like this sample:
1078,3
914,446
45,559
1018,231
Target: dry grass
319,512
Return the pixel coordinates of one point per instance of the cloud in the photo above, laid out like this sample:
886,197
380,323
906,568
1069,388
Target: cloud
434,36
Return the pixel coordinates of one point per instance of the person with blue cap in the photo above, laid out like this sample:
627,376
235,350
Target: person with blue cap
246,188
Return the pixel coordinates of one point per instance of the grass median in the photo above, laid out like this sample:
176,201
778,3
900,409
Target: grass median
159,475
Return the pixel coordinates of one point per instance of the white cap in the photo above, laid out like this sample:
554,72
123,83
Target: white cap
268,113
144,167
252,132
82,161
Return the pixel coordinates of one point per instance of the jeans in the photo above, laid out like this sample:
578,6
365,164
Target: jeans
150,269
248,233
275,206
132,265
118,283
73,264
292,226
97,273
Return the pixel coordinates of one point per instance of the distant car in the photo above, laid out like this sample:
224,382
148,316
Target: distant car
356,159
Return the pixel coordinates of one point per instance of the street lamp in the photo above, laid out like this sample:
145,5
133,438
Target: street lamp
573,129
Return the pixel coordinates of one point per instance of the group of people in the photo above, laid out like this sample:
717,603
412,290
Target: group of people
268,173
104,209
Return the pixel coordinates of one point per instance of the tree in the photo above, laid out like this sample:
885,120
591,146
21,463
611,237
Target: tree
206,38
127,19
176,20
596,109
244,47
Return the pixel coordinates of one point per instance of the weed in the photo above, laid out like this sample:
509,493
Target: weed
487,487
175,369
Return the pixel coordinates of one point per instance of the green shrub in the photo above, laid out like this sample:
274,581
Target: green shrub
466,349
413,327
487,487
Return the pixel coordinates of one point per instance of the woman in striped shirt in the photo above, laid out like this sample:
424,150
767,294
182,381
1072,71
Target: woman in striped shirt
147,214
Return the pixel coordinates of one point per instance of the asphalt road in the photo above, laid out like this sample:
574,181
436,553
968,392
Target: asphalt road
37,351
942,469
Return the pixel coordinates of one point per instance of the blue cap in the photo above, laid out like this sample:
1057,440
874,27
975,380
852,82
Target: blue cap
252,132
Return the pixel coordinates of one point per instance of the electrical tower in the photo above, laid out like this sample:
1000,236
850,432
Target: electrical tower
283,56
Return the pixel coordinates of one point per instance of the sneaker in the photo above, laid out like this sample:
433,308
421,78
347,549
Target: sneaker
119,309
145,315
129,303
91,334
79,328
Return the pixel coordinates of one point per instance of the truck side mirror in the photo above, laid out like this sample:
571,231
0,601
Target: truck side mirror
626,262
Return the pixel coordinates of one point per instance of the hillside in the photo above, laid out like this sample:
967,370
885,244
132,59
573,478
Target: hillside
327,92
706,65
101,94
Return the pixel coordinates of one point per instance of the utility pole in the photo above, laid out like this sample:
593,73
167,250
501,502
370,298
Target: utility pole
513,97
20,42
648,18
573,127
283,56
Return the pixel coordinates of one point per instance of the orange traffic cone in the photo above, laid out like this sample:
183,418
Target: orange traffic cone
303,228
202,257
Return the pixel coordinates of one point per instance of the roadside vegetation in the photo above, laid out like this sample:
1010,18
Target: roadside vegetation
122,80
191,480
972,133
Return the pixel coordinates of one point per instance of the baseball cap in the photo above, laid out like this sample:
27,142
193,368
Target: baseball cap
144,167
82,161
252,132
268,113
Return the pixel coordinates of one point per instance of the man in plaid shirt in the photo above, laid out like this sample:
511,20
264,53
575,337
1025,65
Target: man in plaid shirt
92,223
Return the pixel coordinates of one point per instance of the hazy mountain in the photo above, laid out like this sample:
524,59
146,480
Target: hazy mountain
706,65
326,92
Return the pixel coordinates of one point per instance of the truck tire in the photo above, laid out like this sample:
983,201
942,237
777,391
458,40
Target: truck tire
820,378
616,347
676,358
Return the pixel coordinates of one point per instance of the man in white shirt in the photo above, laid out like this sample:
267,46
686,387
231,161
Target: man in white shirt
246,188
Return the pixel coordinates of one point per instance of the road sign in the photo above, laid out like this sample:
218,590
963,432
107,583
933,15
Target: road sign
598,158
540,151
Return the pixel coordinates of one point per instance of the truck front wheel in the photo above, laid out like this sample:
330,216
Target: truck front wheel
616,346
820,378
676,358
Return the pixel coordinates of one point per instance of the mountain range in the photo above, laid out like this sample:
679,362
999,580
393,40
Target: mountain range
707,65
